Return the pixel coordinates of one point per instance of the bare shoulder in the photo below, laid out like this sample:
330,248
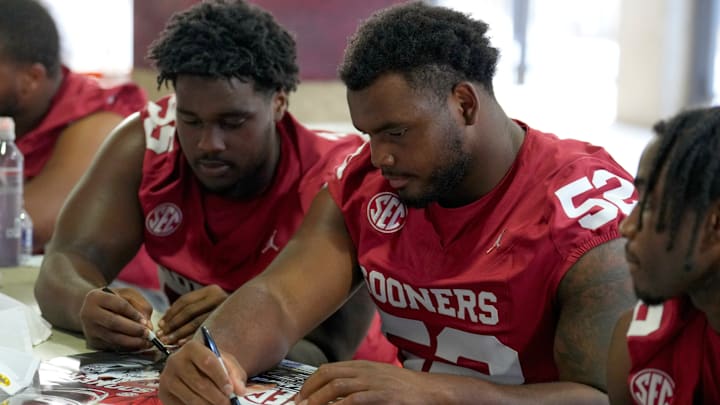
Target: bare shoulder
598,268
592,296
619,362
125,143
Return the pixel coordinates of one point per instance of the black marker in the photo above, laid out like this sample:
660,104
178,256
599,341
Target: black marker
210,342
151,335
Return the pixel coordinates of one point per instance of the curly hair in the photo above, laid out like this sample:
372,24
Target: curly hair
28,34
430,46
226,39
688,151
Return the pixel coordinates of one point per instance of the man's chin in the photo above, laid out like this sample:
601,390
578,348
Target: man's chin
218,189
649,299
414,201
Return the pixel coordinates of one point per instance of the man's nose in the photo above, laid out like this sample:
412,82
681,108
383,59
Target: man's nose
381,155
628,226
211,140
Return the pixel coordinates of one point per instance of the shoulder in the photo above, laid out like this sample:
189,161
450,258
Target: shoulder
158,124
159,112
88,93
317,146
566,160
587,191
355,178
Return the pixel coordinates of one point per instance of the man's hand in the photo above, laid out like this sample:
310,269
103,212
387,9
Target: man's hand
194,375
186,314
367,382
116,321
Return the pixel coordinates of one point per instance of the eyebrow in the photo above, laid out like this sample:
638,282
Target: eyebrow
226,114
383,128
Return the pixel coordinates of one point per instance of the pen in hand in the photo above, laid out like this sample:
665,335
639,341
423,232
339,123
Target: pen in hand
210,342
151,335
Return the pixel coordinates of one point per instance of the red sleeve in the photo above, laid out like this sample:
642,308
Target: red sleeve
348,176
590,196
333,156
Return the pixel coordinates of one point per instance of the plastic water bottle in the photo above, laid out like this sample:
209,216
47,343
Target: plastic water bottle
11,195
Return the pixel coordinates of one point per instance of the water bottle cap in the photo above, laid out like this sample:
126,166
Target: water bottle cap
7,129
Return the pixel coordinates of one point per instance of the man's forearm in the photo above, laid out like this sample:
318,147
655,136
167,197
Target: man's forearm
61,287
468,390
251,326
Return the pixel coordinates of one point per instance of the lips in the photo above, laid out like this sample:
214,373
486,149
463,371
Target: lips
397,182
212,168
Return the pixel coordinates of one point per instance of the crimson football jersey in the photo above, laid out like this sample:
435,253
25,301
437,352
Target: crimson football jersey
674,355
77,97
245,235
472,290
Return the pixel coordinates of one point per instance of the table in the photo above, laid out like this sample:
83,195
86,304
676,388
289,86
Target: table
18,282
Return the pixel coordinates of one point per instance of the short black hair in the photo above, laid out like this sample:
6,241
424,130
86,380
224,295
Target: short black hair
28,34
430,46
226,39
689,154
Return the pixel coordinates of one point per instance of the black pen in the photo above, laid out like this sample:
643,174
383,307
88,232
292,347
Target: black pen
210,342
151,335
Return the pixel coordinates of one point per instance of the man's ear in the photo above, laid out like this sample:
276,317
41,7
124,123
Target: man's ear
31,77
467,99
710,236
279,104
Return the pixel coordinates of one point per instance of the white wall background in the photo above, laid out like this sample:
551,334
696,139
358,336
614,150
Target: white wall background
96,35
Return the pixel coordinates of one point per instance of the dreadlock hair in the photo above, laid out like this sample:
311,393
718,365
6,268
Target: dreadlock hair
28,34
226,39
689,155
433,48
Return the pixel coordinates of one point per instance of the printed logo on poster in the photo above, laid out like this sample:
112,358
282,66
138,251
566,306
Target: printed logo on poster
164,219
386,213
652,387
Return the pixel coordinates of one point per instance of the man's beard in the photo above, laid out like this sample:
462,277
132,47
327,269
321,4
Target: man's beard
443,180
648,299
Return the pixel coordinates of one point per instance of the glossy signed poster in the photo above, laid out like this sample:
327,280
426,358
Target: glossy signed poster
132,378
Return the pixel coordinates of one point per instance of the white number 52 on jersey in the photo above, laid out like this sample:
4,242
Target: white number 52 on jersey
612,202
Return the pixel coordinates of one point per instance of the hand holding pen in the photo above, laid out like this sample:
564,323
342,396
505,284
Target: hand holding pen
210,343
150,334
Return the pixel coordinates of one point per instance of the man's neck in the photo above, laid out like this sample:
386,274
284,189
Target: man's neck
706,298
494,155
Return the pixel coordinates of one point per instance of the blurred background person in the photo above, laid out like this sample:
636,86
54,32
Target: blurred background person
61,117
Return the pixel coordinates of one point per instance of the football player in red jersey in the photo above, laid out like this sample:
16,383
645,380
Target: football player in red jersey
212,180
491,248
667,350
61,117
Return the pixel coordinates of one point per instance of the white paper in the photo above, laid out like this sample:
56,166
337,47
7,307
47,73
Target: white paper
35,329
17,333
17,369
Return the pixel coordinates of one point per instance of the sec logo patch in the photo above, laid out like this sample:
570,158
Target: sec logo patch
652,387
386,213
163,219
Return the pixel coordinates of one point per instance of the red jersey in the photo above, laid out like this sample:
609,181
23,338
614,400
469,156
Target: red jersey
472,290
77,97
246,235
674,355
